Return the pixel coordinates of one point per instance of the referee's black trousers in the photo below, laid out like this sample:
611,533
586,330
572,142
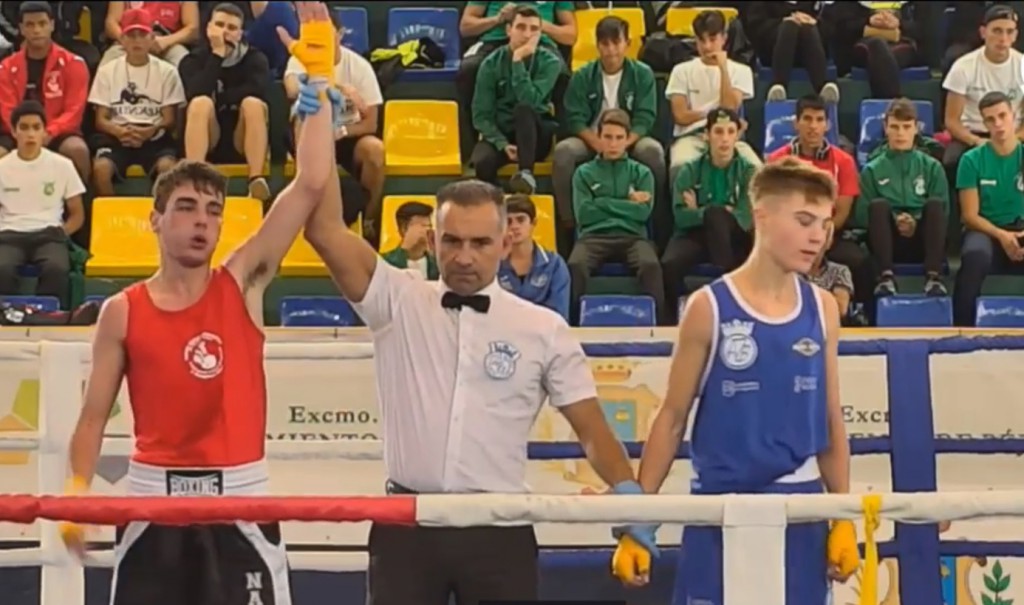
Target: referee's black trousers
426,565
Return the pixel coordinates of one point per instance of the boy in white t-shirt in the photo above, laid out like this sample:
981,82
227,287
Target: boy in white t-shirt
995,67
136,97
36,186
700,85
357,147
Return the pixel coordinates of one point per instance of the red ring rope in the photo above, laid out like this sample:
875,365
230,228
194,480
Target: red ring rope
106,510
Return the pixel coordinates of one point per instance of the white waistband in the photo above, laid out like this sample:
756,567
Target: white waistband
808,471
245,480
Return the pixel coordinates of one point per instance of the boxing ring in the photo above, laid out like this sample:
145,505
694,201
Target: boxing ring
758,522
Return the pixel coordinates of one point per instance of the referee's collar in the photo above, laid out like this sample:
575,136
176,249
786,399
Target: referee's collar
491,289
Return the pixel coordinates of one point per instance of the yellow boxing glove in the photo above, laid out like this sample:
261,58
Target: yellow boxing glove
315,47
843,555
73,534
631,562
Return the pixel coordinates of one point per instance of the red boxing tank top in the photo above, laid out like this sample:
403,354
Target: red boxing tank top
195,379
167,14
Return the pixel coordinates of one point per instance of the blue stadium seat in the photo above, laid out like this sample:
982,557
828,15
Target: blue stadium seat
798,74
39,303
779,126
28,271
911,270
356,26
317,311
617,312
910,74
872,124
1000,312
440,25
96,298
914,312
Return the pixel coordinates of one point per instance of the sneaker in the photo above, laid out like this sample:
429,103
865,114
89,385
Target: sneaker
777,93
886,287
933,286
523,182
830,93
259,189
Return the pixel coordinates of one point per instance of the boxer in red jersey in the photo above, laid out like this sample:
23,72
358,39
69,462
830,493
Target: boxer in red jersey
189,343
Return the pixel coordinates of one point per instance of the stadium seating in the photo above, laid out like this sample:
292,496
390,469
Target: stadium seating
914,312
910,74
421,138
544,228
617,311
317,311
123,244
585,49
1000,312
229,170
679,21
799,74
779,124
872,124
356,27
389,237
45,304
440,25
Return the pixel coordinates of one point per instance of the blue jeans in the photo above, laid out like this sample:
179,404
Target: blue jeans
979,256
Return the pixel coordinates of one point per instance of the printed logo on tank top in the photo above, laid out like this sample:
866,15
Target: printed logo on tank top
738,349
254,584
204,355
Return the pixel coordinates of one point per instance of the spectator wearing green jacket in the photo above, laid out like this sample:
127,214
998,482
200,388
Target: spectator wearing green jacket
512,104
711,206
414,223
612,81
612,199
905,197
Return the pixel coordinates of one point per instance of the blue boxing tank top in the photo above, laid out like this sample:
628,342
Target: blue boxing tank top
761,408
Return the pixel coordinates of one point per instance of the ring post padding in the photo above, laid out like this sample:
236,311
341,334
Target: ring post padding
754,540
60,399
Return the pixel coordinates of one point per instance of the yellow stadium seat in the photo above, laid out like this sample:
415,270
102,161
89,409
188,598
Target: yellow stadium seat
679,21
585,49
389,237
85,25
123,244
421,138
541,168
303,261
544,228
228,170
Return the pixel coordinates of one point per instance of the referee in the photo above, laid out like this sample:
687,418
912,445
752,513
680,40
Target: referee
463,367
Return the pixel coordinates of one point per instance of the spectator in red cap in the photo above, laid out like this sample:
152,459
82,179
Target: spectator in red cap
43,71
137,96
176,25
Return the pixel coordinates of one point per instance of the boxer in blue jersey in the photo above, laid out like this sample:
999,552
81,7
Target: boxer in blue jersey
757,364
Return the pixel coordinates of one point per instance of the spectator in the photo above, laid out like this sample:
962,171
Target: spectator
489,22
58,79
512,103
907,203
990,180
357,147
225,86
37,187
711,206
528,270
414,225
811,146
136,96
995,67
612,81
787,35
175,23
882,41
833,277
65,31
612,200
702,84
261,31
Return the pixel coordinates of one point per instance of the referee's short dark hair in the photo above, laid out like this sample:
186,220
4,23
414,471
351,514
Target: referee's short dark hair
27,108
472,192
520,203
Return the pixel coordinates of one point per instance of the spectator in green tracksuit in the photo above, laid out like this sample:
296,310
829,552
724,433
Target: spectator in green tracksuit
512,104
711,206
904,202
413,253
612,200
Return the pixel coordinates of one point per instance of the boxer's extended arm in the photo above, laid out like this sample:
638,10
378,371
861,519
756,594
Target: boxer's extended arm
688,361
108,364
834,461
603,450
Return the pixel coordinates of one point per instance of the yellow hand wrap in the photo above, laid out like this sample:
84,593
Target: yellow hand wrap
73,533
842,547
630,560
315,49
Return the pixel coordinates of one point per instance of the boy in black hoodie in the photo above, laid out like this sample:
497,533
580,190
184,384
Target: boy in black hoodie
225,83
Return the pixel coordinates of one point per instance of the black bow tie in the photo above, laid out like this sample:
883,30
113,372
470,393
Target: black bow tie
478,302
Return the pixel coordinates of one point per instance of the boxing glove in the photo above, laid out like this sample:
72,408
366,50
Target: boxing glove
843,554
631,562
73,534
643,534
315,48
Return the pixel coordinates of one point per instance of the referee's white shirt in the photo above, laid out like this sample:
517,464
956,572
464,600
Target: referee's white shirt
459,390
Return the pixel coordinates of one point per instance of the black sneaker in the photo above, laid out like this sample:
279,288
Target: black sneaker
934,287
886,287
